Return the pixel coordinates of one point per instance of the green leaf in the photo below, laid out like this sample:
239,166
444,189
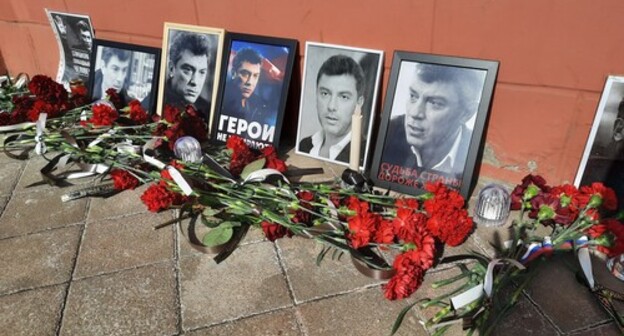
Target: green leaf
218,236
399,319
252,167
210,222
210,212
321,255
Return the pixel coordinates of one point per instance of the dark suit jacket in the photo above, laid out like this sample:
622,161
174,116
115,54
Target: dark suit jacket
171,98
397,151
255,110
305,145
97,88
608,171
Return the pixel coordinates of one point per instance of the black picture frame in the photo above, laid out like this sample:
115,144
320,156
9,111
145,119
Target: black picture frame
142,68
264,74
331,96
603,157
461,99
176,88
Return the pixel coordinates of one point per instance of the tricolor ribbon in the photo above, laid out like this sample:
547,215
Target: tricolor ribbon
40,147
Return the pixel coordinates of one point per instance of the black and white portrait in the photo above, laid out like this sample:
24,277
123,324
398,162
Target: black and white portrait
337,81
603,158
190,65
74,35
129,69
433,121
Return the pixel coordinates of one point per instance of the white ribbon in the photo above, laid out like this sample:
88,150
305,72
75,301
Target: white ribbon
585,260
180,181
261,174
150,159
40,147
101,138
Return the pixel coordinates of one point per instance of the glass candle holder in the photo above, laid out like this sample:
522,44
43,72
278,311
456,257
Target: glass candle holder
188,149
616,266
492,208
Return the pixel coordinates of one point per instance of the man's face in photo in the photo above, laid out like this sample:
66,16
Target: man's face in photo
432,114
86,38
247,76
114,73
188,75
336,99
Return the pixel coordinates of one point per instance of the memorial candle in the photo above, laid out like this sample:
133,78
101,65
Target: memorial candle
356,134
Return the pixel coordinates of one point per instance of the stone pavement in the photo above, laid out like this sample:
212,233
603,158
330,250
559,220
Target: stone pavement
97,267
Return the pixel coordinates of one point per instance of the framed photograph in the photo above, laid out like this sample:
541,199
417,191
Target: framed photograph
253,89
132,70
191,62
603,158
74,36
432,122
337,82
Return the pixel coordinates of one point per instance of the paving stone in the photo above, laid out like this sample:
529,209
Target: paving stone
33,312
32,212
133,302
39,259
248,282
125,203
309,281
254,235
281,323
3,203
9,174
555,290
524,319
124,242
361,313
31,178
606,330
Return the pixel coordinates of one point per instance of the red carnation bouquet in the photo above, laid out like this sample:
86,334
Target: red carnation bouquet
24,103
551,220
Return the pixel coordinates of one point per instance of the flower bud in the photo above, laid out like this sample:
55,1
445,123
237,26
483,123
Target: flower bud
595,201
530,192
545,212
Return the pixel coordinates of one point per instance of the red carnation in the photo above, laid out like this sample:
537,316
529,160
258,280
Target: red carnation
272,161
41,106
302,216
275,231
171,114
236,144
195,127
406,281
384,232
172,134
361,228
534,184
597,194
451,227
48,90
5,118
115,98
158,197
103,115
123,180
137,113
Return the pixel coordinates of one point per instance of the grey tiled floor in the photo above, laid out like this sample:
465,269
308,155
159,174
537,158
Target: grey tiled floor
96,267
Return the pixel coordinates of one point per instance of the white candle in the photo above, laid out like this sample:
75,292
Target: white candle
356,134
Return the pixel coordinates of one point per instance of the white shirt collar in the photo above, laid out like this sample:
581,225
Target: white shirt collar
334,150
447,162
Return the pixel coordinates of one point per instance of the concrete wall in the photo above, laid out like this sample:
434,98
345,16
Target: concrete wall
554,54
